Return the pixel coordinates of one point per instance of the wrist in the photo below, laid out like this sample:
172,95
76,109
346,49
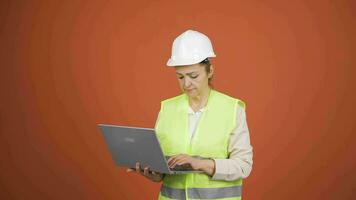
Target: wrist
208,166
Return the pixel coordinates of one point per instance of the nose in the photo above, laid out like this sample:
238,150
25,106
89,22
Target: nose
187,82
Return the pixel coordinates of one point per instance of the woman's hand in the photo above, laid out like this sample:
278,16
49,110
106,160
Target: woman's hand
206,165
146,172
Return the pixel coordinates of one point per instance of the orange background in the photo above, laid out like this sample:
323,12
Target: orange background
68,65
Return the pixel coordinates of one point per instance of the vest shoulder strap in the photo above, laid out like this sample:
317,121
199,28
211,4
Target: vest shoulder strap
241,104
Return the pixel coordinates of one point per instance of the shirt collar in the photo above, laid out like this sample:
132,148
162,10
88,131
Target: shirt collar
184,107
191,111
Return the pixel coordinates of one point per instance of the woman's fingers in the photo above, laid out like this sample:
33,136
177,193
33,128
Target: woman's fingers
146,171
182,162
170,159
138,170
179,160
173,162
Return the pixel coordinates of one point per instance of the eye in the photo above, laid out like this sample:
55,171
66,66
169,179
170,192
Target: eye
194,76
180,77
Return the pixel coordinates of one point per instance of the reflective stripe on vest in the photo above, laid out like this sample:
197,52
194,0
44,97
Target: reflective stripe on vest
202,193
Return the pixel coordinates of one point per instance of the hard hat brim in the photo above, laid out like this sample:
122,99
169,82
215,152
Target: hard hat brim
174,63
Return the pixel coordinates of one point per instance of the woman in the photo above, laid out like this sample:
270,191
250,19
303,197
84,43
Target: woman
201,128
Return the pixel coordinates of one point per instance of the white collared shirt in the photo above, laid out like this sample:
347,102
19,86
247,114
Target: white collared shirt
194,118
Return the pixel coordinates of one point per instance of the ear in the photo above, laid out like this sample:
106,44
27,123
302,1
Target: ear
211,71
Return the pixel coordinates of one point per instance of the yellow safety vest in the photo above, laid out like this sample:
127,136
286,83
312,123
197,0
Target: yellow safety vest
210,140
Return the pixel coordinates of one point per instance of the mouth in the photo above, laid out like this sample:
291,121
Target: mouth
189,90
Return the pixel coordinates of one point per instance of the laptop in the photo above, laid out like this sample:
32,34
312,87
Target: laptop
129,145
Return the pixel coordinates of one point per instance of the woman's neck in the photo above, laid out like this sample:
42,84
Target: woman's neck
199,101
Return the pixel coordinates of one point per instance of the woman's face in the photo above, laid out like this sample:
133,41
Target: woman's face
193,79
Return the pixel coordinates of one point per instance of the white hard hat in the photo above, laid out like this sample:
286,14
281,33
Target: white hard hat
190,47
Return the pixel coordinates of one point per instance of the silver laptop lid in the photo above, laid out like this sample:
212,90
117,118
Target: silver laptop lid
129,145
